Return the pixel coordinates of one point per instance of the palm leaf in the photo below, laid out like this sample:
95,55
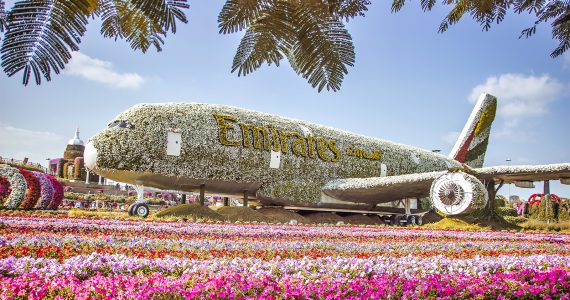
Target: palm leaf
2,16
140,23
41,35
237,15
163,13
322,51
256,48
348,9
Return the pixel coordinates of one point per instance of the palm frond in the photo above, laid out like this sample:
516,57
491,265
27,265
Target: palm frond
2,15
460,8
256,48
41,35
164,13
322,51
139,23
397,5
348,9
427,5
237,15
111,25
137,28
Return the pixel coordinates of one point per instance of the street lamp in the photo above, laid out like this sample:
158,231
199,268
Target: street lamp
509,164
48,166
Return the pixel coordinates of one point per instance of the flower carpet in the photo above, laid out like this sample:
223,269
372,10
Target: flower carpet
75,258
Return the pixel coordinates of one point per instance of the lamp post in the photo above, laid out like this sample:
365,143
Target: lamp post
509,164
48,170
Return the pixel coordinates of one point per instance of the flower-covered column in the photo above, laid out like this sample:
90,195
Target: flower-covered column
17,183
33,192
46,189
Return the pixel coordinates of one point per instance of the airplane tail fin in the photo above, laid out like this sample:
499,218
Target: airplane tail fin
471,146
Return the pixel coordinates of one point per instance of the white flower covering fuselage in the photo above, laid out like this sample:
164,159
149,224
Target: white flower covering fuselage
219,149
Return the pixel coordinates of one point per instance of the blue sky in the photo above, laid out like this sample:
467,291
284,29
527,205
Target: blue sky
409,84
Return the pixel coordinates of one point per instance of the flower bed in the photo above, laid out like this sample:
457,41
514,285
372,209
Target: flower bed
47,257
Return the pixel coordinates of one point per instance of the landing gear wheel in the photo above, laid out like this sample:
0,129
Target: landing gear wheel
419,220
132,209
398,220
142,210
411,220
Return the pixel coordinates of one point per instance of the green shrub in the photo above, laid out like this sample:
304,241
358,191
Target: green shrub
500,201
546,210
517,220
564,210
506,211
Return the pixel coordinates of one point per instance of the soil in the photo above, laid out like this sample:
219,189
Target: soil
190,211
324,217
358,219
282,215
243,214
431,217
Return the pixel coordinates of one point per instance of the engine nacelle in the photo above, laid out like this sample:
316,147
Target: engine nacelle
458,193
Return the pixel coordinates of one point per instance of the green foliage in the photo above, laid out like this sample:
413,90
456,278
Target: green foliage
564,210
545,211
311,34
516,220
426,203
54,28
500,201
543,226
506,211
488,12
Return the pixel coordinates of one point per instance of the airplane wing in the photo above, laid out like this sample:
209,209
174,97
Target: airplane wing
381,189
392,188
510,174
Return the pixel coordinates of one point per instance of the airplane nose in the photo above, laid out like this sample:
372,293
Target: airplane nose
90,156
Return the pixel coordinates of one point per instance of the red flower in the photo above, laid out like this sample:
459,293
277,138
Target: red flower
34,191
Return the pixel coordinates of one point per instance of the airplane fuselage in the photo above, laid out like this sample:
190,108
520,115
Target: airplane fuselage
230,150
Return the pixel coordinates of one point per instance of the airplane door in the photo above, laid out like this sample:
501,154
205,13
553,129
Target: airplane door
173,143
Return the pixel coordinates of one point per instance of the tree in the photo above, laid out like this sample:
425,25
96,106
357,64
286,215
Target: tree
311,34
40,34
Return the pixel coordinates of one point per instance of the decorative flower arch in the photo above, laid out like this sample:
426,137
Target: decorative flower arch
17,183
46,189
57,193
33,192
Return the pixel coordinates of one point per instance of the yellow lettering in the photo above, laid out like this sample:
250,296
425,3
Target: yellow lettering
321,148
311,145
283,135
335,151
257,131
223,128
299,146
274,137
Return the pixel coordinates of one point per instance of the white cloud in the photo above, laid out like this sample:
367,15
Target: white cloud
520,95
101,71
451,137
18,143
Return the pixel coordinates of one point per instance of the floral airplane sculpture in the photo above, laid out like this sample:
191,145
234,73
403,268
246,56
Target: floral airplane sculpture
280,161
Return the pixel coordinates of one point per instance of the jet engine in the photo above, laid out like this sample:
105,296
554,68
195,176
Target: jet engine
458,193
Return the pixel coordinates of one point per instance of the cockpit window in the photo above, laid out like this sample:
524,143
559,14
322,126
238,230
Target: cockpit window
121,124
